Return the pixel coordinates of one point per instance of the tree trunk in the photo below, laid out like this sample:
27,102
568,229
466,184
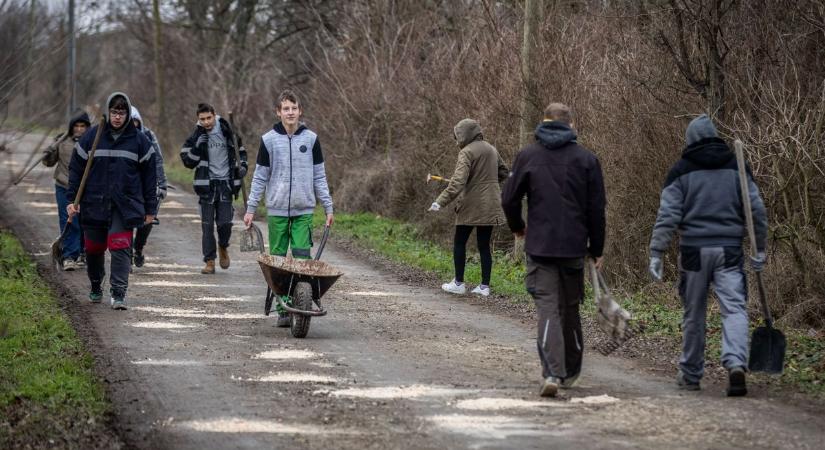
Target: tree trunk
159,91
531,108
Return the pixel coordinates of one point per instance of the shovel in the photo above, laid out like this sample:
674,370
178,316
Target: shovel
616,322
767,343
57,245
252,240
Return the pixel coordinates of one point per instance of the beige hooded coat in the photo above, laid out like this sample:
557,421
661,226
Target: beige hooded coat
475,181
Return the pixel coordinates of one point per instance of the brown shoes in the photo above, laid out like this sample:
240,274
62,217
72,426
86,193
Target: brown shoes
209,268
223,252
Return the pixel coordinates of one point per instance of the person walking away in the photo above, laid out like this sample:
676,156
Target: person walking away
142,232
475,188
565,223
290,171
120,194
59,155
210,150
702,199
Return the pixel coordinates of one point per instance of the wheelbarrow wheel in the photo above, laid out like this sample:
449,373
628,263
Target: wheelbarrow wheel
301,299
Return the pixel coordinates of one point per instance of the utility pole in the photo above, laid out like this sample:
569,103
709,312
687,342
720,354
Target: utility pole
71,64
530,109
159,91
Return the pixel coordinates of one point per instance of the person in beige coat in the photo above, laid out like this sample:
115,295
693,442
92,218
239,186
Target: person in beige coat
475,187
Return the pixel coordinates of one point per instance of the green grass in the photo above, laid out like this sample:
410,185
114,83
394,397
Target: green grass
403,243
42,362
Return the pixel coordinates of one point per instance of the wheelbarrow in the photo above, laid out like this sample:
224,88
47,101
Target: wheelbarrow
305,281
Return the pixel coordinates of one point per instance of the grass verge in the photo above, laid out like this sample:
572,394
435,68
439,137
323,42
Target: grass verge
49,395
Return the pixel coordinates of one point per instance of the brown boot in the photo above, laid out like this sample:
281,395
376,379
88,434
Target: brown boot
223,252
209,268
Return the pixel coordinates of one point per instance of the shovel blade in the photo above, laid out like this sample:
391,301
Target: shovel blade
57,252
767,351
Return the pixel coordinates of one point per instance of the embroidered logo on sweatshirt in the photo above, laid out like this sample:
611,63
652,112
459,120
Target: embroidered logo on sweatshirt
303,149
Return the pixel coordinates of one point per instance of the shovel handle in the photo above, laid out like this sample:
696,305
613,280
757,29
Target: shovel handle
101,124
746,208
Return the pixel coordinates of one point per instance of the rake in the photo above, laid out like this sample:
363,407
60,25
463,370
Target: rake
252,240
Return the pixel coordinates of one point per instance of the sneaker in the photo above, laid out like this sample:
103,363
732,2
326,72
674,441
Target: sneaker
69,265
481,290
223,254
550,387
139,258
96,294
569,382
118,302
80,262
686,384
283,320
736,382
454,288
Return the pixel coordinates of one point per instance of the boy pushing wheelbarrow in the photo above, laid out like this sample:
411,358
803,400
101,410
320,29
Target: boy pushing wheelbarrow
290,169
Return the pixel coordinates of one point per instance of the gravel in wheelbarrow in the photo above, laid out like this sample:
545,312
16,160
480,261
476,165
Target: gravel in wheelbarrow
282,274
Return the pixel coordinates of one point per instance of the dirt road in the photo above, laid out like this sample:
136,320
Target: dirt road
194,364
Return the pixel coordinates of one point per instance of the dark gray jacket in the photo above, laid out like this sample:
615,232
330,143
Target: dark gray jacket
702,199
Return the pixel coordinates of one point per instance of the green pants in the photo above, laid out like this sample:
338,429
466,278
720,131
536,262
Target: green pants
290,231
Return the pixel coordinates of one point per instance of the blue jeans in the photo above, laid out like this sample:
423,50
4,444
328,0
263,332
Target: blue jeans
71,245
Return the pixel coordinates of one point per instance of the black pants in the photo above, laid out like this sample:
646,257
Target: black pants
216,208
483,235
557,287
118,240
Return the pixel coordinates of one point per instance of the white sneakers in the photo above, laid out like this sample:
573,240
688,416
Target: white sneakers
454,288
460,289
482,291
69,265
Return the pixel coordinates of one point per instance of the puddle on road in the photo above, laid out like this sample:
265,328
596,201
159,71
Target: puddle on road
219,299
162,325
184,215
375,294
41,205
47,213
166,362
400,392
195,314
168,274
595,400
154,265
172,204
238,425
498,404
286,354
491,427
291,377
39,191
172,283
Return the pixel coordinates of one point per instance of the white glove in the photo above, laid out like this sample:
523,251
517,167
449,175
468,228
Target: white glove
161,194
656,267
758,262
435,207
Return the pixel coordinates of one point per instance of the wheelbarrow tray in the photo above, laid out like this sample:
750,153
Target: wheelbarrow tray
283,274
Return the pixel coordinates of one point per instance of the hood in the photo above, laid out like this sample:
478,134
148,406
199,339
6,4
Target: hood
280,129
135,114
710,153
128,108
554,134
79,116
466,131
699,129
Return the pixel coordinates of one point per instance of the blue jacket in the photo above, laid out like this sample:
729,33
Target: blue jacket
122,175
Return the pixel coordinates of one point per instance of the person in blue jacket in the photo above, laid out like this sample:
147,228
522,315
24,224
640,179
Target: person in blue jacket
120,195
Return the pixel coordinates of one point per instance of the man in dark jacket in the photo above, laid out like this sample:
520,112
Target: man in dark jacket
59,155
142,233
566,222
121,194
702,199
210,150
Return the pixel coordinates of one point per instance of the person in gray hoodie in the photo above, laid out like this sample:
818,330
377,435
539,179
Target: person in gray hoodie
702,200
290,169
142,232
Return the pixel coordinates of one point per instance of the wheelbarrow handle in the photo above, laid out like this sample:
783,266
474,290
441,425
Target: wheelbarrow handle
323,243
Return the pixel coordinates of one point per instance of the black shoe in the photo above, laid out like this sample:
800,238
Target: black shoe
96,294
686,385
139,259
283,320
737,386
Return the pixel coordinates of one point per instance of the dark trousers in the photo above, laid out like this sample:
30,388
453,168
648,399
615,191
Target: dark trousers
557,287
462,235
72,243
118,240
216,208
